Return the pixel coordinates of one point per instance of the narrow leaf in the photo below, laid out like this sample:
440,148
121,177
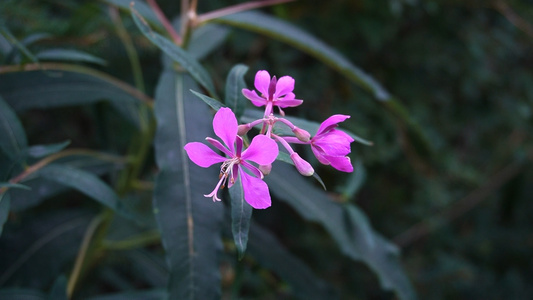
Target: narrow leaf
69,55
241,213
176,53
21,294
13,138
16,44
190,224
5,201
41,249
59,289
271,254
380,255
143,9
59,85
14,185
315,205
355,180
214,103
85,182
206,39
134,295
288,33
312,203
234,85
39,151
42,188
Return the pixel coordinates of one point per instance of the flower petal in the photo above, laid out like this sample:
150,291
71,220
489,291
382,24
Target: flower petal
334,143
202,155
252,96
319,154
255,191
284,86
262,150
331,122
225,126
288,102
253,169
262,81
219,146
341,163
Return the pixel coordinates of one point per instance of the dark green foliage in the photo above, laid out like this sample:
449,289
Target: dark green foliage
99,201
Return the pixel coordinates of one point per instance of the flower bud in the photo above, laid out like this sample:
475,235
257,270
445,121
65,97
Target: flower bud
265,169
301,134
301,165
243,129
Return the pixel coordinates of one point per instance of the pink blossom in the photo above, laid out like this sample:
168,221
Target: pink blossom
262,151
331,146
273,92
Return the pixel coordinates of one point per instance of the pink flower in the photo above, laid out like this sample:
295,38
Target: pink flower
273,92
262,150
331,146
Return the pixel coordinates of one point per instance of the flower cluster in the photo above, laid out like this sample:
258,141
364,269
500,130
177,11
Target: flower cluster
330,145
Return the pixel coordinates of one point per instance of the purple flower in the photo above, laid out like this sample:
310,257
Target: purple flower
273,92
262,150
331,146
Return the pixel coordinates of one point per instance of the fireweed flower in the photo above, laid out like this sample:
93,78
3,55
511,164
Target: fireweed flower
331,145
274,92
262,150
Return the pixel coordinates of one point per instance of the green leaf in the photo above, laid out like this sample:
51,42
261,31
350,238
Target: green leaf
314,204
5,201
69,55
85,182
21,294
234,85
61,85
13,138
59,289
379,254
14,185
143,9
177,54
206,39
214,103
284,157
355,180
39,151
38,250
42,188
190,224
272,255
134,295
288,33
17,45
241,213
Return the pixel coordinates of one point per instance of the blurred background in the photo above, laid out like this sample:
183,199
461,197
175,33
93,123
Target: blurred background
457,202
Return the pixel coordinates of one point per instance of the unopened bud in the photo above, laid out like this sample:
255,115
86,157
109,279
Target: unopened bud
302,165
243,129
265,169
301,134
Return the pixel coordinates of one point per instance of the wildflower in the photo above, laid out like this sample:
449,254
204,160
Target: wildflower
273,92
331,145
262,150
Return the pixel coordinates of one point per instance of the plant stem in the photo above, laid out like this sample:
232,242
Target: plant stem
163,19
80,258
130,49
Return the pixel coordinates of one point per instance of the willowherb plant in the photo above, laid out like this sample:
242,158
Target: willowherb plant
331,146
